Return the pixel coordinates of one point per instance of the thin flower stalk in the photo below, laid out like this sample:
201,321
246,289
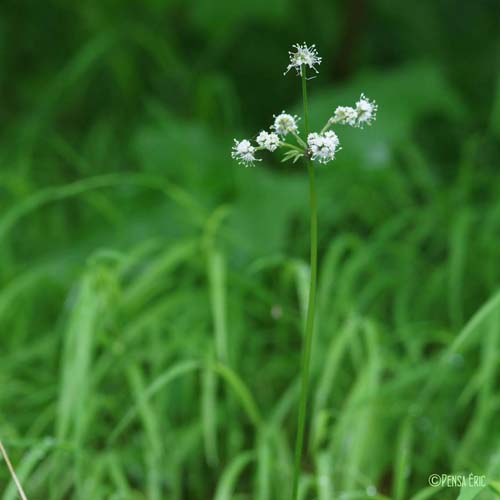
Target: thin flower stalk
311,302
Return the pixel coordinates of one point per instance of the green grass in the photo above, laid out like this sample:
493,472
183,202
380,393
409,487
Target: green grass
111,388
153,295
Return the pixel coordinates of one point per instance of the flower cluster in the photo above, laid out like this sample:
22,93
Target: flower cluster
302,57
285,124
269,141
321,147
244,152
364,113
345,115
366,110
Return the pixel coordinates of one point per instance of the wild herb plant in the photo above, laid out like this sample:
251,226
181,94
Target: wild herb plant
317,148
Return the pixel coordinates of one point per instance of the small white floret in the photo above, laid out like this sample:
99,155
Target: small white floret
303,56
366,111
323,146
268,140
244,153
345,115
285,123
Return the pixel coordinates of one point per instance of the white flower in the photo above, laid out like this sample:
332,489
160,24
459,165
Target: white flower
363,114
366,111
285,123
303,56
323,146
244,153
269,141
345,115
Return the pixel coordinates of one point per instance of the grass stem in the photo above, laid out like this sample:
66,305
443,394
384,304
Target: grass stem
12,472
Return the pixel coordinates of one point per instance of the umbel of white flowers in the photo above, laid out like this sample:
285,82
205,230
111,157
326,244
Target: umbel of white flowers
320,147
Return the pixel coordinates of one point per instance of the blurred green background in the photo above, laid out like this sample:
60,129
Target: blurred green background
152,291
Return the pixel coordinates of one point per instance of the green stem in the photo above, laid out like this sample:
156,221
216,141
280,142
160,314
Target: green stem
292,146
304,100
299,139
327,126
307,345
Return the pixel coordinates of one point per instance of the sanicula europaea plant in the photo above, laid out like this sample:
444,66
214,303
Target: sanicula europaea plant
317,148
